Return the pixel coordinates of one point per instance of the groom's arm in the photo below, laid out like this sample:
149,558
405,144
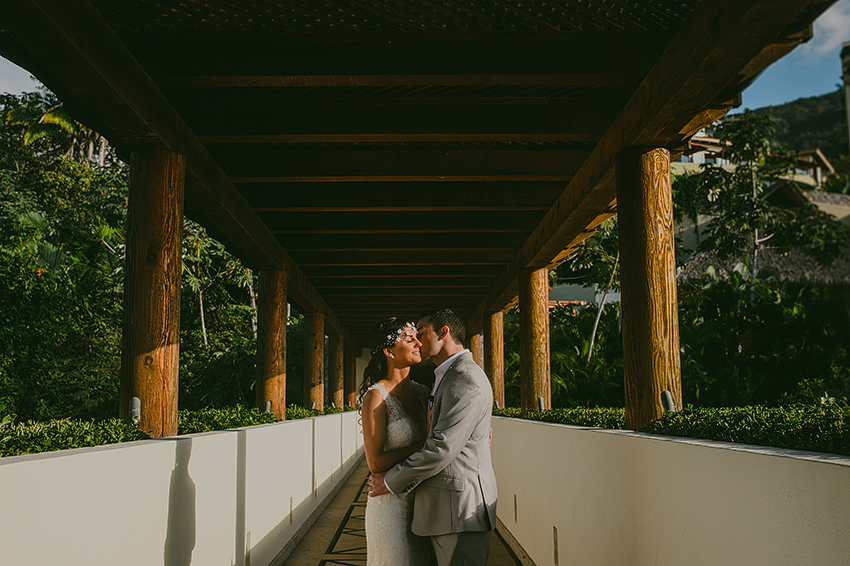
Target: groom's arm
462,405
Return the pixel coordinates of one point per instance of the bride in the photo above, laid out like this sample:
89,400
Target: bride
393,410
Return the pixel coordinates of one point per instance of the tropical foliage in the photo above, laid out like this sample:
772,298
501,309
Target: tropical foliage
745,338
61,280
821,426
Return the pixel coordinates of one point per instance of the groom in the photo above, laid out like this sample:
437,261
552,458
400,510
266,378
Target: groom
455,497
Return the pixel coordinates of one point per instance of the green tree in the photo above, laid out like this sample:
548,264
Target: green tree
44,117
743,223
61,248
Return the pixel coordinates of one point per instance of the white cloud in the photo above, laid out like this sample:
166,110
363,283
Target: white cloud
831,29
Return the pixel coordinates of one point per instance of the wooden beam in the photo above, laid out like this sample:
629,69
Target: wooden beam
265,165
648,284
398,224
404,290
431,271
271,342
273,81
150,343
72,42
398,197
414,241
405,257
329,62
382,285
583,121
716,44
411,303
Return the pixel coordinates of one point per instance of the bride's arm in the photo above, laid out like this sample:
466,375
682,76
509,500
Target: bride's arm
374,419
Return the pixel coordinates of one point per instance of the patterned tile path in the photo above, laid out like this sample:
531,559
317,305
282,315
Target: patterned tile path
338,538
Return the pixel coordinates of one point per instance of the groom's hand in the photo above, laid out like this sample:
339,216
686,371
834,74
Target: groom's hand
377,485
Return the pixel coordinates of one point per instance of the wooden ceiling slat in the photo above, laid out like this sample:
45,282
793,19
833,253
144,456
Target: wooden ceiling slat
403,222
208,81
425,15
628,16
401,292
441,8
395,257
404,16
415,241
539,18
592,16
429,271
435,195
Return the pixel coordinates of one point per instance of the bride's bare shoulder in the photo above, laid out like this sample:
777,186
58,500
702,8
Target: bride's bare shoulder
372,399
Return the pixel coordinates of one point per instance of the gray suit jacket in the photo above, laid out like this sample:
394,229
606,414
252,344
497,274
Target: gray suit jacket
452,474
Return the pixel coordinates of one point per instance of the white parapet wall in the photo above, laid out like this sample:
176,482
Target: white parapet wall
236,497
582,496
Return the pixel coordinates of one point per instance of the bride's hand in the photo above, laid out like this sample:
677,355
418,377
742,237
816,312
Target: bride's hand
377,485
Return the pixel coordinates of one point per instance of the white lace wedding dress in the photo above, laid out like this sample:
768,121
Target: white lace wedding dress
389,541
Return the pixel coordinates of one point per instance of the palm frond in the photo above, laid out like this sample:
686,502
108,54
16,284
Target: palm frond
37,131
60,118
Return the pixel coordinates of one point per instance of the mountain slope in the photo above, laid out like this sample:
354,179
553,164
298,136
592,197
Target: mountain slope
806,123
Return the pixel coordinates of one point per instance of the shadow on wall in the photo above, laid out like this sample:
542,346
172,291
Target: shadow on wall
180,530
279,543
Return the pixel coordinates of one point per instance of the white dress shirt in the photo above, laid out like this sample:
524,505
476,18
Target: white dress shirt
440,371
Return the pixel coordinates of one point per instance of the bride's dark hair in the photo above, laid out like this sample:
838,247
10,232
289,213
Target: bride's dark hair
384,334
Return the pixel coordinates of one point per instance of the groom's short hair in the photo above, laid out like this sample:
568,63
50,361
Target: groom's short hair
446,317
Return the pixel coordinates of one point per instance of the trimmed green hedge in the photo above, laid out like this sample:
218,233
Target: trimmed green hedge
205,420
32,437
597,417
799,427
817,428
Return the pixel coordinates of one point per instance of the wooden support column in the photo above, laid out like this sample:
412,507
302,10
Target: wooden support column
314,359
271,342
337,369
648,283
350,379
494,355
150,344
476,347
534,338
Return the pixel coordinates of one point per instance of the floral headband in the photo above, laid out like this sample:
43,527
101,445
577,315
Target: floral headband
394,338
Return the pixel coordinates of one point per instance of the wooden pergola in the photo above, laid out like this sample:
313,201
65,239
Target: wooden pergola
379,158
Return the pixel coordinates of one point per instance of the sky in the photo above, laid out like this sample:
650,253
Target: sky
811,69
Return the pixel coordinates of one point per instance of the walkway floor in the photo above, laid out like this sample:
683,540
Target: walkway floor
338,537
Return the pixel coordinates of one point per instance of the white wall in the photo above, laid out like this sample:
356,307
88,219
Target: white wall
206,499
620,497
